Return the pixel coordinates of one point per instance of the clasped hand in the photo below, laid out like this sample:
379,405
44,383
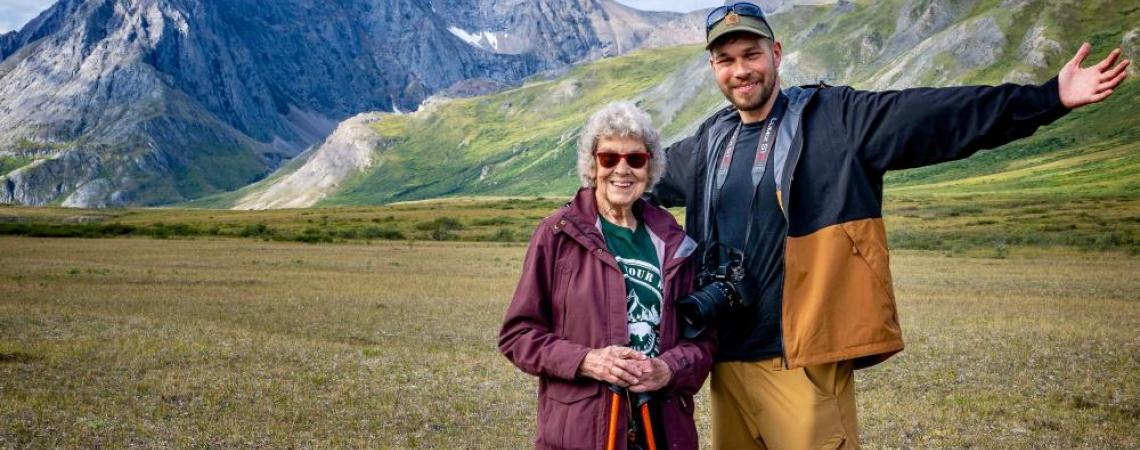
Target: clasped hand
627,368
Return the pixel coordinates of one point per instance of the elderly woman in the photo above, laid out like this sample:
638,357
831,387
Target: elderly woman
594,315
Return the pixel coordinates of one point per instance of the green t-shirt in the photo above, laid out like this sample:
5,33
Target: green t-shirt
637,258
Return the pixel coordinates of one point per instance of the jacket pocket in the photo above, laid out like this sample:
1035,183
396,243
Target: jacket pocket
571,414
869,242
566,392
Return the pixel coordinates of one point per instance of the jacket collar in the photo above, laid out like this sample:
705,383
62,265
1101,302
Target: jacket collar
786,152
579,220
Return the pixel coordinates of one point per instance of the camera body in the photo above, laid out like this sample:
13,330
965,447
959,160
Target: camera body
721,290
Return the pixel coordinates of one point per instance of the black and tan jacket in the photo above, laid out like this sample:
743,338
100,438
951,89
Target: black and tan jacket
833,147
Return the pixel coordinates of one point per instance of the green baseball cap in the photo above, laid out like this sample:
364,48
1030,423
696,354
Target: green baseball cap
730,22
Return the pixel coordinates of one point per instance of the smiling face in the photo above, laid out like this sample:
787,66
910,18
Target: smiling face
621,185
745,67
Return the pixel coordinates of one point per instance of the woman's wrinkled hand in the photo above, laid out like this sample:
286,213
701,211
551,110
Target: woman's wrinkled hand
616,365
655,374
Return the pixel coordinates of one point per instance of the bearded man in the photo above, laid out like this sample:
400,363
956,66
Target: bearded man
788,183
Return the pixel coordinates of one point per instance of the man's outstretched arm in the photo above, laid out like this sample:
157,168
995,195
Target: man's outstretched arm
917,127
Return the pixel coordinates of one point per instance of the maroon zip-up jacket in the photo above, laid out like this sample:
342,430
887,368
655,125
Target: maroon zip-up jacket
571,298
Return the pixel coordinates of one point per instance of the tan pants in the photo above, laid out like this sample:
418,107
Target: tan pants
759,405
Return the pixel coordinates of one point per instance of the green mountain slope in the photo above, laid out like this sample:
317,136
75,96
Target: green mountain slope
517,142
522,141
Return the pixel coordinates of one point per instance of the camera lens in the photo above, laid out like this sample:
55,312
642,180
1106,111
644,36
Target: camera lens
699,309
695,311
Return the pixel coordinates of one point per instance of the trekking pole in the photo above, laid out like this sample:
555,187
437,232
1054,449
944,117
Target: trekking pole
649,438
615,405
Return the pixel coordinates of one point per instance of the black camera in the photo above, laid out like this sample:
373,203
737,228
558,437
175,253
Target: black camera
721,290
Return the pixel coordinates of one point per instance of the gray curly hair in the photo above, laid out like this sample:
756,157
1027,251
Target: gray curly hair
616,119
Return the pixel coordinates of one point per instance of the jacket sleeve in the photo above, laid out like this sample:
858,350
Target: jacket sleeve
526,338
919,127
690,360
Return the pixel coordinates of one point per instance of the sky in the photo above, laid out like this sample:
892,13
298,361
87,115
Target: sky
15,13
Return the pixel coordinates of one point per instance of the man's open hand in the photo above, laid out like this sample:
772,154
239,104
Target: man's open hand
1083,86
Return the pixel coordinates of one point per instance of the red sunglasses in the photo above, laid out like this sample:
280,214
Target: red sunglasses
635,160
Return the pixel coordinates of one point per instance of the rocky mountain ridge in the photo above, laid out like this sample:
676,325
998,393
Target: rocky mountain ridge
140,102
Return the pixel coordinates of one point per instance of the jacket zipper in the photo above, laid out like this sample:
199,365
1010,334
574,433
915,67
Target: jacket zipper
790,168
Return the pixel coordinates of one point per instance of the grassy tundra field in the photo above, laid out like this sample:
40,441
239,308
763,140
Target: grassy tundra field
207,340
940,218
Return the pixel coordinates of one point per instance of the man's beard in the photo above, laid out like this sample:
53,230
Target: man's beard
767,87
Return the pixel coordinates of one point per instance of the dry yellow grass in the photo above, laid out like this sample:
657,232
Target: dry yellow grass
236,343
242,343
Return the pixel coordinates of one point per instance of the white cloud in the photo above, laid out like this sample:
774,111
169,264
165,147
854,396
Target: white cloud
14,14
671,5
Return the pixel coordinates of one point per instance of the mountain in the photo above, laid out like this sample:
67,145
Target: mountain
145,102
522,141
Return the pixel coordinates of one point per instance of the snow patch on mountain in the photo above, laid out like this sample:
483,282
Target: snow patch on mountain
480,39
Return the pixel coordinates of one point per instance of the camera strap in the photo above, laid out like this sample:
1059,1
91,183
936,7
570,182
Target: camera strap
763,148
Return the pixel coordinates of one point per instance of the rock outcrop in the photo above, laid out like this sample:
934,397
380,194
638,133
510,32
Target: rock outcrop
1130,48
347,151
943,57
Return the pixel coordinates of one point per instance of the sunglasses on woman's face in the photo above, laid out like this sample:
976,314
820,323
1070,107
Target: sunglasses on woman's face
635,160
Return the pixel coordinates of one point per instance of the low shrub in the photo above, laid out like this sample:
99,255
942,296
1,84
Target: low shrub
313,235
442,223
503,235
257,230
492,221
382,233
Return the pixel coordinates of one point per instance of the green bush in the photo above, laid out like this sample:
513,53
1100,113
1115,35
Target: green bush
382,233
257,230
444,223
313,235
441,229
1111,241
442,235
904,239
1001,251
497,220
67,231
503,235
159,230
